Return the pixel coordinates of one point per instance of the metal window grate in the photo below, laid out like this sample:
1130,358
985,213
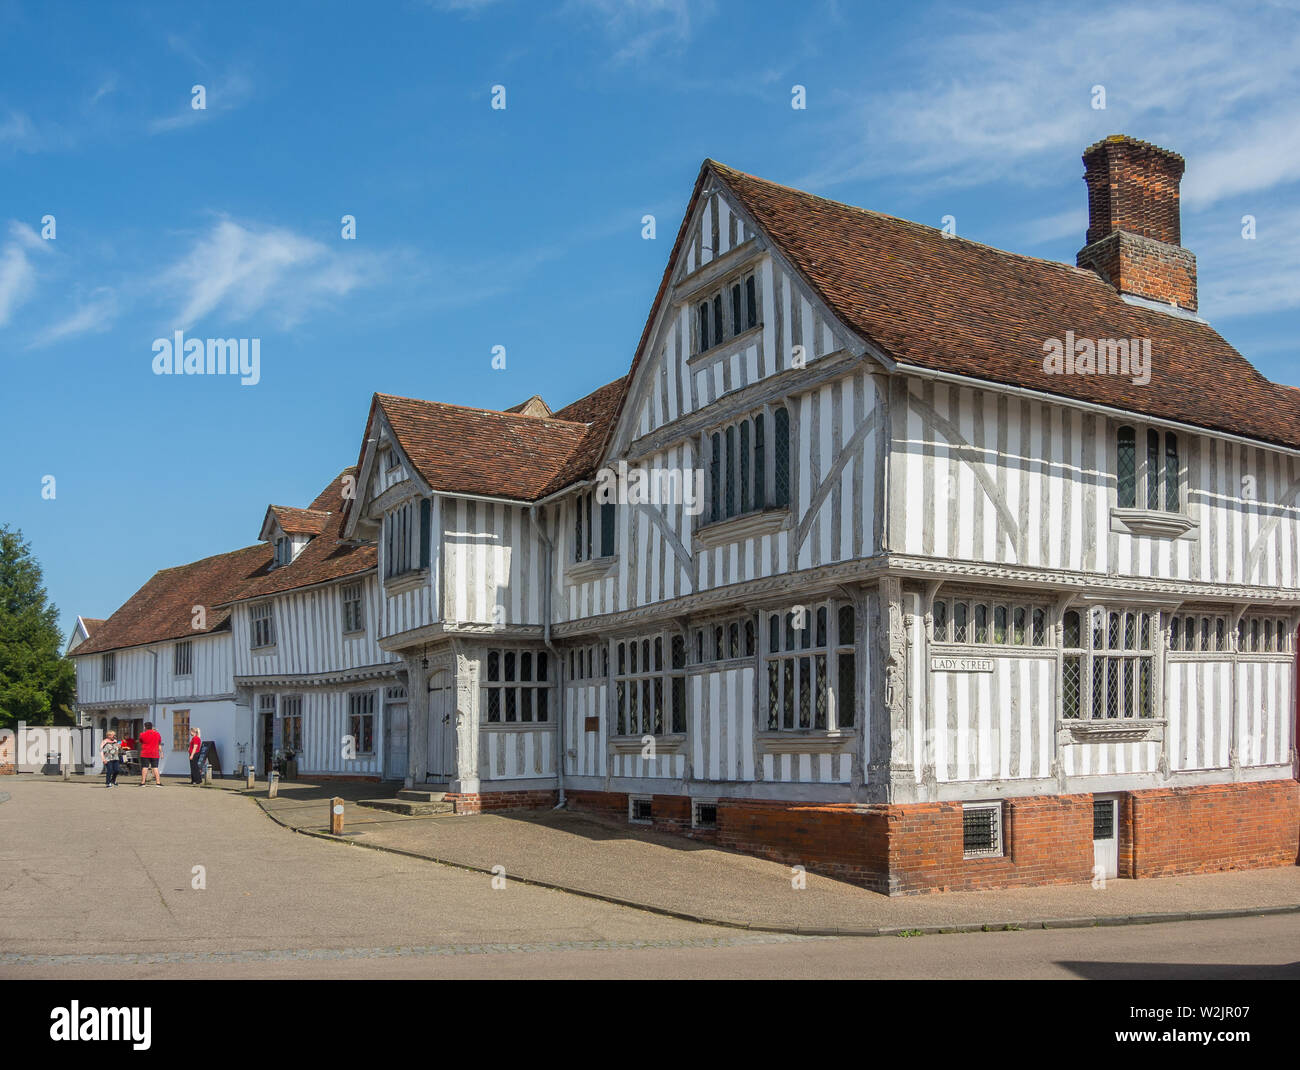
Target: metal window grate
1103,819
641,810
706,815
982,831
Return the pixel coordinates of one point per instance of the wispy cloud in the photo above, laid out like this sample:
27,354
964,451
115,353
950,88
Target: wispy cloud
639,30
17,272
222,94
94,315
240,270
1004,97
1249,277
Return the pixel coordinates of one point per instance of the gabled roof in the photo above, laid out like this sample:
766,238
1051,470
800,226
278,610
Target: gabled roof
297,521
327,557
951,305
457,449
163,608
534,406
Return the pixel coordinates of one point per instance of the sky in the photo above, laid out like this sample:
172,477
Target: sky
521,226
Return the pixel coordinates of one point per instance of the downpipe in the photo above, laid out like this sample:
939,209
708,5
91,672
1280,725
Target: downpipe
560,743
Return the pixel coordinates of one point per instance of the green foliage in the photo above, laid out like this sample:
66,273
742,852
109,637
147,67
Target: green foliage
36,682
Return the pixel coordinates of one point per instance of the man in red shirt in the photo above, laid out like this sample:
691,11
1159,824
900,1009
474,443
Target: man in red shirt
196,749
150,752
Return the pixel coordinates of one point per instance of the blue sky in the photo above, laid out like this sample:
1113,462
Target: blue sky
521,227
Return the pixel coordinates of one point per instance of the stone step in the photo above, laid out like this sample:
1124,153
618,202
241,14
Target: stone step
419,795
409,807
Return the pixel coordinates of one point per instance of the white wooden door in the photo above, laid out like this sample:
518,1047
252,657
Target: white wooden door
395,740
1105,838
442,751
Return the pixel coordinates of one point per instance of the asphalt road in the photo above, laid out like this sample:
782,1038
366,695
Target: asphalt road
104,884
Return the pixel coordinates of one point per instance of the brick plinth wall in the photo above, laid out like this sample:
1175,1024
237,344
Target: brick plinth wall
485,802
1047,839
1218,827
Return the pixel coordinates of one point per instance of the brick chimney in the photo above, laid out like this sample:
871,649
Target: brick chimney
1133,221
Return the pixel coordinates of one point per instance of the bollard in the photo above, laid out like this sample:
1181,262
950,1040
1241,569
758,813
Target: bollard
273,786
249,777
336,816
207,775
67,773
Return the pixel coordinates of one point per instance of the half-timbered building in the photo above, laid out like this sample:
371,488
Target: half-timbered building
893,555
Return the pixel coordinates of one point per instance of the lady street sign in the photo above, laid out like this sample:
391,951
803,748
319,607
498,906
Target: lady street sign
943,663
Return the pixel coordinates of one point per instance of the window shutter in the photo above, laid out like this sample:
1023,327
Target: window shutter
606,529
426,516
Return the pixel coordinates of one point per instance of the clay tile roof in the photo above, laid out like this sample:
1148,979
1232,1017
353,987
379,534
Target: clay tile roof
479,451
163,608
534,406
300,521
951,305
325,558
598,410
91,624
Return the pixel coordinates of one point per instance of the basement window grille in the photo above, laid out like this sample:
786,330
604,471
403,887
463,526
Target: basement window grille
640,810
981,830
705,815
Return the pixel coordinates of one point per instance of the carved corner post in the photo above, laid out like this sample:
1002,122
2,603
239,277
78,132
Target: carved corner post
465,696
890,763
862,698
417,720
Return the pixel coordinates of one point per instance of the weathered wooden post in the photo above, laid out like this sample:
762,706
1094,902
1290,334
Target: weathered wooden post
207,774
336,816
273,786
250,775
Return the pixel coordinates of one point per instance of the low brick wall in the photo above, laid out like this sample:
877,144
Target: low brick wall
485,802
1215,828
1047,839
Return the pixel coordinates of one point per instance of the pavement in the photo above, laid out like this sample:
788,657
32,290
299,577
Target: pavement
671,875
181,882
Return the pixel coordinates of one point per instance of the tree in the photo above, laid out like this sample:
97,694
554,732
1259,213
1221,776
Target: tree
36,681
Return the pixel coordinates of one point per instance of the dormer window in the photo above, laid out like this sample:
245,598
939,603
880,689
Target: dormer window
730,311
388,459
283,551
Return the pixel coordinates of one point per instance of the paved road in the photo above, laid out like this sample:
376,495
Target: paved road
97,883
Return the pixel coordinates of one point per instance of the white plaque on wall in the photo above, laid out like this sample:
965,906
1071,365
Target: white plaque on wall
944,663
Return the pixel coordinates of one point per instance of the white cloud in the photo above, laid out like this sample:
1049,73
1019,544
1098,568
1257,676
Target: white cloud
240,271
95,315
1250,277
642,29
1006,98
17,273
222,94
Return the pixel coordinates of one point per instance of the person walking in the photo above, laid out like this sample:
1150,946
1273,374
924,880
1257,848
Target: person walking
110,750
150,753
196,761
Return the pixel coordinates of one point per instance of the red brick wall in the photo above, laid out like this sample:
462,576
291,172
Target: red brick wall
484,802
1218,827
842,841
1046,840
917,847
